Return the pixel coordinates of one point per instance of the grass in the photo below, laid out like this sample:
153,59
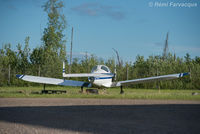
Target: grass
73,92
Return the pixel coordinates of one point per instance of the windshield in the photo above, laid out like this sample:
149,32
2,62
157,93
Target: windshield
105,68
94,68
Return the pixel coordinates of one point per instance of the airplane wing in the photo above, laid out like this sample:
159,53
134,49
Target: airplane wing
150,79
88,75
53,81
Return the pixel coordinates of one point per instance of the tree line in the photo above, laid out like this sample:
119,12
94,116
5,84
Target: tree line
47,59
45,62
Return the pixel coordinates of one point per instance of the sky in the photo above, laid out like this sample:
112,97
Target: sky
132,27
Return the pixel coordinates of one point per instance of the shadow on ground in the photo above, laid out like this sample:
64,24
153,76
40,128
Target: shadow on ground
112,119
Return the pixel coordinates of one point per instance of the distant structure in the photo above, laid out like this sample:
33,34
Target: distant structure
166,49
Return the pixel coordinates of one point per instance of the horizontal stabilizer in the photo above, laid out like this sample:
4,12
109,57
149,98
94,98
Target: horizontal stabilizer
89,75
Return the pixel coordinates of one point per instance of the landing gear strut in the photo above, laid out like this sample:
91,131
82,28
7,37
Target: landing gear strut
81,90
44,87
121,91
44,91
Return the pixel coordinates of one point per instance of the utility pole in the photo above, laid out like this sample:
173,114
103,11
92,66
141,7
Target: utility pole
71,52
127,72
87,63
158,82
9,74
157,73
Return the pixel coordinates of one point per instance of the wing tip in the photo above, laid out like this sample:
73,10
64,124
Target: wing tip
19,76
188,73
184,74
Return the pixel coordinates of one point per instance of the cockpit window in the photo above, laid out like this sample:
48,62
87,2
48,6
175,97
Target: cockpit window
105,68
94,68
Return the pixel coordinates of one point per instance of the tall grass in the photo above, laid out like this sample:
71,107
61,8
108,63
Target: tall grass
73,92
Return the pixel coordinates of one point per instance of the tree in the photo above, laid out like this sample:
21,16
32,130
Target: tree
53,34
23,56
37,58
197,60
8,62
53,42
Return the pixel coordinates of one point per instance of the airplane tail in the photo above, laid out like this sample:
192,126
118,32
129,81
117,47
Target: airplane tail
63,69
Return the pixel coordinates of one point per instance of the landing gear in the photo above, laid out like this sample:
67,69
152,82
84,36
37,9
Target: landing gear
81,90
44,91
121,91
92,91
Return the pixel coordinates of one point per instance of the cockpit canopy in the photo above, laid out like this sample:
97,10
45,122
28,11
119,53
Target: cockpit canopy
100,69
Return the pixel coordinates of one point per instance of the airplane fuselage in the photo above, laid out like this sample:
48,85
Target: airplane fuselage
102,81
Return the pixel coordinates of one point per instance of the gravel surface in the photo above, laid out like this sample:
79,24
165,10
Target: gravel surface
98,116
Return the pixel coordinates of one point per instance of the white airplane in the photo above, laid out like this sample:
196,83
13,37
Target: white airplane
100,76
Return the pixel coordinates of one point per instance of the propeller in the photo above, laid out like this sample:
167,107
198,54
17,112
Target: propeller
119,64
115,72
118,59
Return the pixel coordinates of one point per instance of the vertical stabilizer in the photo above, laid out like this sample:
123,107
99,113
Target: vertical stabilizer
63,69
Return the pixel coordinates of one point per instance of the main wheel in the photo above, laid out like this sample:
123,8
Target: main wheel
93,91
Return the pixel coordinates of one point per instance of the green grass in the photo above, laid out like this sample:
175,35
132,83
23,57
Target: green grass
34,92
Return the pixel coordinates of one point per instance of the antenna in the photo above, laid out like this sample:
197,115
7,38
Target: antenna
119,63
70,66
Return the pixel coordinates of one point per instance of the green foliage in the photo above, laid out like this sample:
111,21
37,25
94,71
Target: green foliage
53,34
23,56
8,59
54,50
34,63
37,60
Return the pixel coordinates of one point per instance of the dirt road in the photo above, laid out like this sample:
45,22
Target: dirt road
98,116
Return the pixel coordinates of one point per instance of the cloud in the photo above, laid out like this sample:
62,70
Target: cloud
79,54
141,21
189,49
96,9
159,44
37,3
9,4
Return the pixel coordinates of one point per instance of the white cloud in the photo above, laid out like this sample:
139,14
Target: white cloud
96,9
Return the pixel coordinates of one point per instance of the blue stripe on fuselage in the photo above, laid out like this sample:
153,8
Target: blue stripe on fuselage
102,78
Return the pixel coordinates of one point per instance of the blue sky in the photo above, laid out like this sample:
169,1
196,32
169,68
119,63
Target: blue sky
132,27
